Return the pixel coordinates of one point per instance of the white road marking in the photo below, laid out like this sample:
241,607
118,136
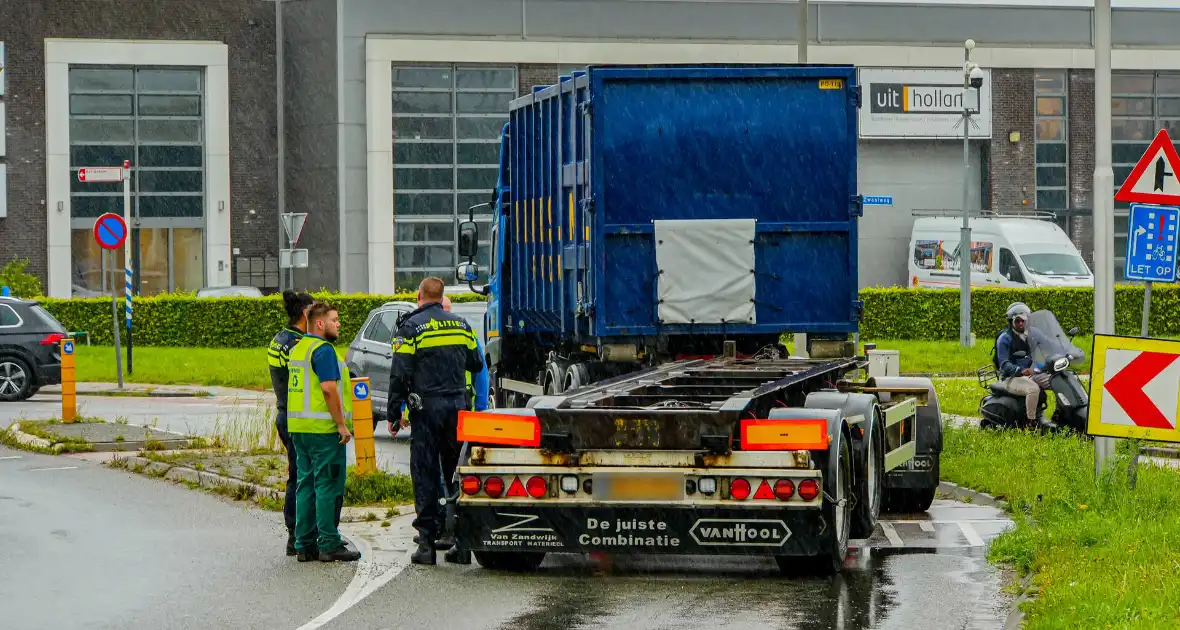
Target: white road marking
926,526
11,457
970,534
891,534
376,567
56,468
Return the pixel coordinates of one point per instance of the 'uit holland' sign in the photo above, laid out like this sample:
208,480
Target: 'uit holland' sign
920,103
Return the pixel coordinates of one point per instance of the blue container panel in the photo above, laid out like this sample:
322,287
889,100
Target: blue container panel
680,143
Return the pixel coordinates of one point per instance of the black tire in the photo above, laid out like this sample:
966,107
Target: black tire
17,380
870,487
909,500
515,561
837,489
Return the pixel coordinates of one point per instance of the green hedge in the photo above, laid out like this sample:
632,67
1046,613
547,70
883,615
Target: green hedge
172,320
934,313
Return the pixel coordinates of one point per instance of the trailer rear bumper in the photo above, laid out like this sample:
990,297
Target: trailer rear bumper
645,529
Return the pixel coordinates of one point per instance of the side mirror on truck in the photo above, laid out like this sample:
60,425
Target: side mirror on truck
467,272
468,239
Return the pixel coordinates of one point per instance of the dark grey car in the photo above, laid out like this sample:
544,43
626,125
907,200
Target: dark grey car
30,351
371,351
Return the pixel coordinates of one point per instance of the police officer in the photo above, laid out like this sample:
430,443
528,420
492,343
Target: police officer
433,351
319,418
278,355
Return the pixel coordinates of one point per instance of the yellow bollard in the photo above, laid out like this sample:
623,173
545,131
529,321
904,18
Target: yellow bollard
69,399
362,426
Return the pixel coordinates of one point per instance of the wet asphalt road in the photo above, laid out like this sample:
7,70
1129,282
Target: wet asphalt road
151,554
82,546
927,571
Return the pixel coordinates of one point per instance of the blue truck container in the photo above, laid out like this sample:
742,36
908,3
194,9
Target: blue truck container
596,160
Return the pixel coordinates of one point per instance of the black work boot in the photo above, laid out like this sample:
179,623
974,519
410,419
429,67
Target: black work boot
425,553
1045,426
340,554
458,555
291,544
307,555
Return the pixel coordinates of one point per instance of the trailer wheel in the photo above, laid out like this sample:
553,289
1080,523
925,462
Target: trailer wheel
514,561
871,486
837,511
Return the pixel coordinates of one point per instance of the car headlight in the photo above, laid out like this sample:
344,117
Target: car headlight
1060,364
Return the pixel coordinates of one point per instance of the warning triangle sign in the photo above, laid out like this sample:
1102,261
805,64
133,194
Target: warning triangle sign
517,488
1156,178
764,491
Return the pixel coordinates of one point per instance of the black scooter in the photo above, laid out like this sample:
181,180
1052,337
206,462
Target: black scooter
1000,409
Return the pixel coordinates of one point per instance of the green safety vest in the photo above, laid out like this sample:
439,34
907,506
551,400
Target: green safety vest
307,409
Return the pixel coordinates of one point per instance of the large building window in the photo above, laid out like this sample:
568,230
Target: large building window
152,117
1052,141
446,131
1142,104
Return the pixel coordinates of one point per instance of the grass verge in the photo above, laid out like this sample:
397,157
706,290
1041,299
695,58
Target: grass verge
378,488
243,368
44,429
948,357
1105,555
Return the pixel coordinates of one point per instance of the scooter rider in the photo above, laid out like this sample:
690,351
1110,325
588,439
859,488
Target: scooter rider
1017,374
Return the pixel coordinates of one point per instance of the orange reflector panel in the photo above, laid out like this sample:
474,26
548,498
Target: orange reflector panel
764,491
517,489
494,428
785,435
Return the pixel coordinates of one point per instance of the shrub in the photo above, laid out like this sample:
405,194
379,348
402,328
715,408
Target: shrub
893,313
22,283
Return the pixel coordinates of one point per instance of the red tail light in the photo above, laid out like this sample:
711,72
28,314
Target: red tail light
739,489
784,489
52,340
536,487
808,489
493,487
470,485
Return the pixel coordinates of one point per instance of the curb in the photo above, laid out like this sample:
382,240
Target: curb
137,464
1155,451
97,447
33,441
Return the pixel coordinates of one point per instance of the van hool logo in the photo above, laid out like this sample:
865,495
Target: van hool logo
740,531
902,98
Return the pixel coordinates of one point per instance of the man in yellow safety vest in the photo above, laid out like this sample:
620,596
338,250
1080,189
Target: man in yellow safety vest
319,419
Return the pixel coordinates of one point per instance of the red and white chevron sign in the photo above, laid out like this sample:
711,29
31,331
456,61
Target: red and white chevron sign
1139,388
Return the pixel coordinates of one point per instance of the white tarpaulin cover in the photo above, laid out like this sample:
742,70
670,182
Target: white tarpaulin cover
706,271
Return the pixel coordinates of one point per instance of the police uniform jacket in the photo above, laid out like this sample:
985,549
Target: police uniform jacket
278,357
432,352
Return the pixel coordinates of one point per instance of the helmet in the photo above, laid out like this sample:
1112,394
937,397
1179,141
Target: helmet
1017,308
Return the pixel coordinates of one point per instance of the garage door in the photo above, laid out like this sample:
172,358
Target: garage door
919,175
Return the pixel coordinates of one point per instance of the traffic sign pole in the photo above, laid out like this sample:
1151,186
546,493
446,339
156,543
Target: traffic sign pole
1143,329
1103,197
127,270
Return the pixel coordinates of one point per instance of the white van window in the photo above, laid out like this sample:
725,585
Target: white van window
944,256
1055,264
1008,267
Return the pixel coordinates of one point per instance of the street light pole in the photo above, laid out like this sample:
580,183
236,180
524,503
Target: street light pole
965,231
281,135
1103,198
803,28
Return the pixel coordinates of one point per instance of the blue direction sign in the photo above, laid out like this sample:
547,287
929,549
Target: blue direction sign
110,231
877,200
1151,243
68,347
360,391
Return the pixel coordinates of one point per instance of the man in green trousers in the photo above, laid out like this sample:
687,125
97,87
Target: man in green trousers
319,419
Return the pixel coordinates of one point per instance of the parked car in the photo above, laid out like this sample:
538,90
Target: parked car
229,292
30,350
371,351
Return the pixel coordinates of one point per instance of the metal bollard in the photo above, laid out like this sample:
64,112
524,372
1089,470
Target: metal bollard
69,399
362,426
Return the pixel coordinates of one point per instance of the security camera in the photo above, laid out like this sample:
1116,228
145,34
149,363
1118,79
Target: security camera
976,77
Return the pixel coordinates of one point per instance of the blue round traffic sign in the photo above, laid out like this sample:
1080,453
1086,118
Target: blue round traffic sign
360,391
68,347
110,231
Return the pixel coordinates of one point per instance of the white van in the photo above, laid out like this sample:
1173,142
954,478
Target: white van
1005,252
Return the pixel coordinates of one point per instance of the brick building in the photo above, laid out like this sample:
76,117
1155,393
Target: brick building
394,107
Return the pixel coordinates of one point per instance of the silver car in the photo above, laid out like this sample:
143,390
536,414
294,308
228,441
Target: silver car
371,351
